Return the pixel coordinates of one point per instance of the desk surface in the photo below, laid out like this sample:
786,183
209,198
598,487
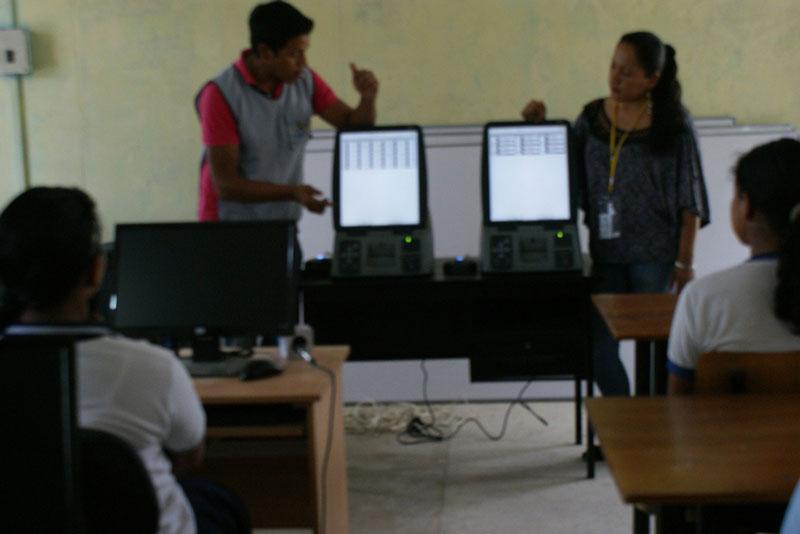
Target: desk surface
283,491
637,316
299,383
701,450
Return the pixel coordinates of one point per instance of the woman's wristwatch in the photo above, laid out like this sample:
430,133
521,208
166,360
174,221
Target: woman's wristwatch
684,266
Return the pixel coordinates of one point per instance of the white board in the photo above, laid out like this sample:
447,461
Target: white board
720,147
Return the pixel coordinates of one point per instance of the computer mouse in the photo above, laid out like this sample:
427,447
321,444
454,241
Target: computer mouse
259,368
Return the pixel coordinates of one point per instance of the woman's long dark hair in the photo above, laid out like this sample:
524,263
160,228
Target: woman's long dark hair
770,176
49,237
654,56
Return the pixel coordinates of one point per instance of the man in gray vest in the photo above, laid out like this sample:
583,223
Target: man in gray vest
255,118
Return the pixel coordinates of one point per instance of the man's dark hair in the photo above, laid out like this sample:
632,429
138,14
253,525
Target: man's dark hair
275,23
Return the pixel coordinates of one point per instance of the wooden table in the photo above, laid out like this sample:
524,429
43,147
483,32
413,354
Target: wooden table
700,450
267,440
646,319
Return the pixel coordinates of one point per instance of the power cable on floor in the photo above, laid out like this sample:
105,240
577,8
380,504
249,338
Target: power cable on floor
418,431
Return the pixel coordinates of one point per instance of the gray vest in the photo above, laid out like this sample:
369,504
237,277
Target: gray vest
272,138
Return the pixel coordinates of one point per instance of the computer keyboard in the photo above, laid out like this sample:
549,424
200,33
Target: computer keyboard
231,366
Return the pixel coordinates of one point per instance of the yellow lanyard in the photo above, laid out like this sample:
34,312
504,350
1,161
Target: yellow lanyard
615,148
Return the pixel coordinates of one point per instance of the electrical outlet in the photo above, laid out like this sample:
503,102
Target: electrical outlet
15,56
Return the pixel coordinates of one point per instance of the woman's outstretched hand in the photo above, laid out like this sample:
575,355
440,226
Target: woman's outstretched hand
534,111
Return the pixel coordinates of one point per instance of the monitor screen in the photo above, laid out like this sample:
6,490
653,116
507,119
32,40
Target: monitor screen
379,178
227,278
526,170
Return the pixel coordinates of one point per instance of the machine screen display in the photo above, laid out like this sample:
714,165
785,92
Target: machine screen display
528,168
379,178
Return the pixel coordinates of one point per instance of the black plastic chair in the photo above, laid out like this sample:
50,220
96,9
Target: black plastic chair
117,494
39,445
80,480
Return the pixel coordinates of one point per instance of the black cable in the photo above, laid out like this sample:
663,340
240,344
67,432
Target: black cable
541,419
328,445
420,432
299,346
425,392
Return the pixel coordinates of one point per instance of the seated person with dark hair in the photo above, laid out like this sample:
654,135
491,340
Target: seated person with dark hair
751,307
755,306
51,265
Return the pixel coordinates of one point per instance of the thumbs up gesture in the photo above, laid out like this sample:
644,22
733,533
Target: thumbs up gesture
364,82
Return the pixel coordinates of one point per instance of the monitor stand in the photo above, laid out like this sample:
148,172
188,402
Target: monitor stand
208,360
370,253
530,248
205,348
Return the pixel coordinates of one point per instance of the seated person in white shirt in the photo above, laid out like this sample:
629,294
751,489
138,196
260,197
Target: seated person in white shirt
51,264
791,521
752,307
755,306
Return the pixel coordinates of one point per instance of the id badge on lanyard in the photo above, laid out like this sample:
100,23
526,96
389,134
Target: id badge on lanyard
609,222
609,218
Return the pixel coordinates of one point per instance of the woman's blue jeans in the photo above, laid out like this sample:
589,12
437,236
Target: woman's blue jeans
609,373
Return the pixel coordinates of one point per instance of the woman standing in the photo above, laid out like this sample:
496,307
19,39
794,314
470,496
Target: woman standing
642,185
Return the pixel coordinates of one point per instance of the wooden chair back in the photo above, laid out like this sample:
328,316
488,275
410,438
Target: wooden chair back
748,372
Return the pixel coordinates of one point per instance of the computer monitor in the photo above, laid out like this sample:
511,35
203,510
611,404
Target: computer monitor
526,173
380,178
201,281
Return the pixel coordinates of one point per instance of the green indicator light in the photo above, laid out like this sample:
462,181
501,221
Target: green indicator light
559,234
408,239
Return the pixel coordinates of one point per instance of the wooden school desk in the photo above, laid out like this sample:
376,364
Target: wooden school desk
267,441
700,450
646,319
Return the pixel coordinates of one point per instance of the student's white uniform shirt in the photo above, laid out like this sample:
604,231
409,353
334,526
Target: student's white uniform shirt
732,310
142,393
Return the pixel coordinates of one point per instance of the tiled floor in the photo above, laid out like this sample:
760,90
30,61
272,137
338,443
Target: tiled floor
531,481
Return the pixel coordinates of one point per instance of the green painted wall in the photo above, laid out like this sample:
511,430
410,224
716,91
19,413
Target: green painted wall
109,106
11,174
